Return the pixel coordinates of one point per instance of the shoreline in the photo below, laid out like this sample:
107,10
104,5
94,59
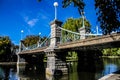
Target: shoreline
11,63
110,56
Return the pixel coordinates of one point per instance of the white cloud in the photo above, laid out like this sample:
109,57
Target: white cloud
32,22
41,17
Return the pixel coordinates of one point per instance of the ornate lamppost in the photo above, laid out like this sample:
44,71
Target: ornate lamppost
55,5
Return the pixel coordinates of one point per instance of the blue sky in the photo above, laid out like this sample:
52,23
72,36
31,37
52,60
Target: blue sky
34,17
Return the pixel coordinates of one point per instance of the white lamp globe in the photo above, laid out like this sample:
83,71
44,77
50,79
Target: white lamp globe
55,4
39,33
22,31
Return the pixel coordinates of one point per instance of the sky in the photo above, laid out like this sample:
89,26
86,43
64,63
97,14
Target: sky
34,17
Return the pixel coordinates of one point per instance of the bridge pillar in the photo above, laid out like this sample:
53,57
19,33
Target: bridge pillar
55,65
55,33
83,31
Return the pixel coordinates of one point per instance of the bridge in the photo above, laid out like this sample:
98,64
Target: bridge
83,43
99,42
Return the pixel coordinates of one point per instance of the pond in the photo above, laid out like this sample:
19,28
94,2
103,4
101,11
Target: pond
37,72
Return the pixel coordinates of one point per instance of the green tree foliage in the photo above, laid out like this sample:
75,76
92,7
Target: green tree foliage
77,3
30,40
111,52
108,12
74,24
5,48
5,45
72,56
118,51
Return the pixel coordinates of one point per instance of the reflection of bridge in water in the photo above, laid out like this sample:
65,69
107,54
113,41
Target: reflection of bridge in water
87,47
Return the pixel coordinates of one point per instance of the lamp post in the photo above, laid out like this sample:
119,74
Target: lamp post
82,13
55,5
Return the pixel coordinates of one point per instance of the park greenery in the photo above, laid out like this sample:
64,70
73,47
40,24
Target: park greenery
30,40
7,49
74,24
111,52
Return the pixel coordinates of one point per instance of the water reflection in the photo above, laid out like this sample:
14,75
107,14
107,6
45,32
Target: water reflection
31,72
37,72
8,72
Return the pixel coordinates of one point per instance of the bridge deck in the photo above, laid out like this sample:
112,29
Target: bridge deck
104,41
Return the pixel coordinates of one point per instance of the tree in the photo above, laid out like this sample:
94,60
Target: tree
30,40
5,48
118,52
34,39
77,3
108,12
74,25
111,52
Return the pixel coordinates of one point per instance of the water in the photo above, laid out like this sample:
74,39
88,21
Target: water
37,72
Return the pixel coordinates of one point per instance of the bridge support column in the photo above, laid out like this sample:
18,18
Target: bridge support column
56,64
50,63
